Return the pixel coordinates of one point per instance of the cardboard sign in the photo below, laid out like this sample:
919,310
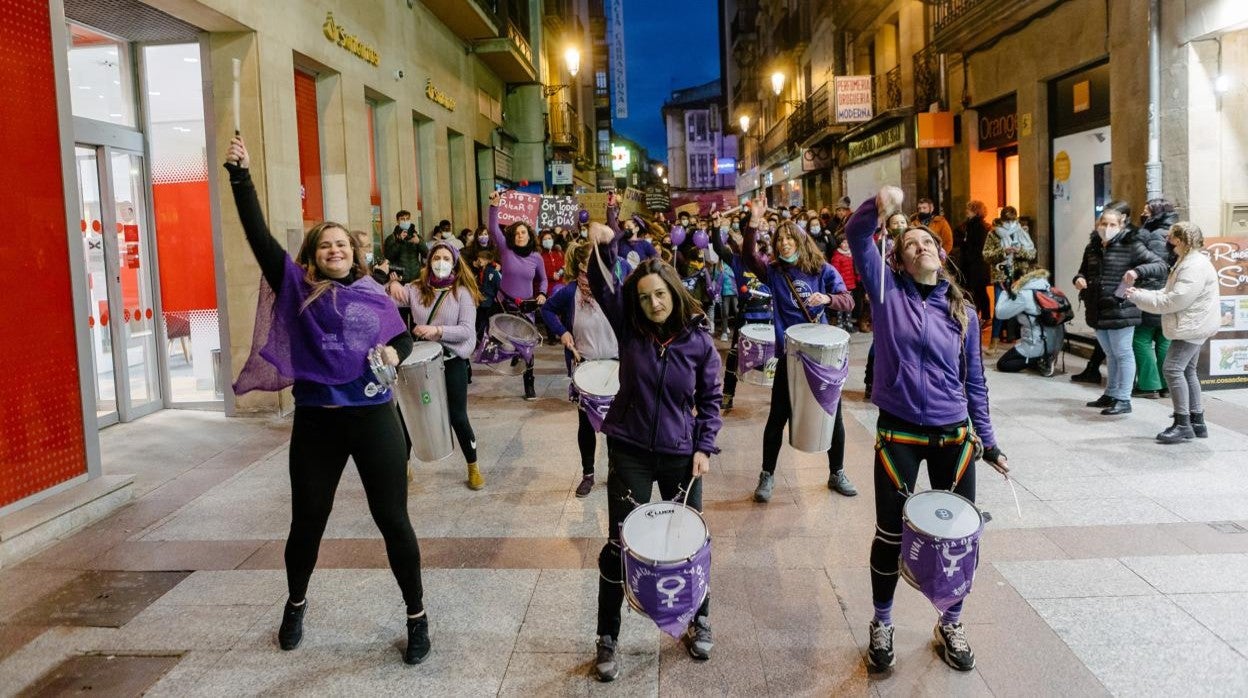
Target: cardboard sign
518,206
558,210
631,201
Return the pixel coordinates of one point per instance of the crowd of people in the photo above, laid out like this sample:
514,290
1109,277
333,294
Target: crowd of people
656,295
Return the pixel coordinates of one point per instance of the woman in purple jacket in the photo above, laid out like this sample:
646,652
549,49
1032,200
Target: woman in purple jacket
663,423
524,274
933,404
803,286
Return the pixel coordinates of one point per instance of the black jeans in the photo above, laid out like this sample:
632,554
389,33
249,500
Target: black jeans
899,448
320,442
457,405
587,440
1013,362
631,477
779,415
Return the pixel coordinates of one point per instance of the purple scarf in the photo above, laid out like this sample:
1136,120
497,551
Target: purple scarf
326,343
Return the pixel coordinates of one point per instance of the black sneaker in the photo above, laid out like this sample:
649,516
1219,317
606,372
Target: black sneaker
880,654
418,644
698,638
766,482
605,666
952,647
1102,401
587,484
1119,407
1087,377
840,483
290,634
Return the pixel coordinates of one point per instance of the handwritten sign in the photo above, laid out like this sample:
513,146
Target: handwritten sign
631,201
518,206
558,210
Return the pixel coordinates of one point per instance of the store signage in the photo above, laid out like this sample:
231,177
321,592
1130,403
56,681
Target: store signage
1224,358
935,129
339,35
438,96
725,165
998,123
881,142
853,98
816,158
560,173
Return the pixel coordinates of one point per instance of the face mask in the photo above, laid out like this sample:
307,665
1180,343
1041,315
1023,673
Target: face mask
584,233
897,229
736,225
441,268
789,258
548,244
785,215
406,225
772,227
1107,233
723,230
684,222
801,224
368,257
483,240
815,229
447,235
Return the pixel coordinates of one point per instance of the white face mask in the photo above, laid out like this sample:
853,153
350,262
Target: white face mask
406,225
368,258
441,268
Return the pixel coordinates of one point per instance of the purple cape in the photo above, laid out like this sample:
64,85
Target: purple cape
326,343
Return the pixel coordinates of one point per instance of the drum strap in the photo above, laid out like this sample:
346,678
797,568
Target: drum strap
797,299
961,436
437,303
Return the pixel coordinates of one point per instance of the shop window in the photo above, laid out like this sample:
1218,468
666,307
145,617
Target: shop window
308,134
101,77
1007,177
375,184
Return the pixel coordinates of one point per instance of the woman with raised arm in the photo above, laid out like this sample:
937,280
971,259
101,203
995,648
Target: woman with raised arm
320,315
524,273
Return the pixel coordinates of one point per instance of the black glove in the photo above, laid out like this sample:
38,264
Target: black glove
237,172
992,455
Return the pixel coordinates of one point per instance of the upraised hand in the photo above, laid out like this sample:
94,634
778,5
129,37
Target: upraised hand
889,201
236,154
494,197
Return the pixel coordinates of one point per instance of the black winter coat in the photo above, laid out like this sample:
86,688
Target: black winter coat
1103,267
1154,234
974,268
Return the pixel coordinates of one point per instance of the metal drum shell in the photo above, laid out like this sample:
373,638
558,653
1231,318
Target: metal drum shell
420,388
810,426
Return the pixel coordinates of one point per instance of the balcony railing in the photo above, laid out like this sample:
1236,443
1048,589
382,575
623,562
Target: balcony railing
927,87
887,92
564,126
812,116
776,142
963,25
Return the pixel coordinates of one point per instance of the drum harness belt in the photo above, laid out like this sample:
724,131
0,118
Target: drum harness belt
797,299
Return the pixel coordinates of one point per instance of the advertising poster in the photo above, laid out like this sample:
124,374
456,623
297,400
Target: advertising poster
1224,360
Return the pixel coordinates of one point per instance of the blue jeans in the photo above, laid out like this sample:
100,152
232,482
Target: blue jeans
1120,358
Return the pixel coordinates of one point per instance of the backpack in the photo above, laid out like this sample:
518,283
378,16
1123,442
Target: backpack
1055,308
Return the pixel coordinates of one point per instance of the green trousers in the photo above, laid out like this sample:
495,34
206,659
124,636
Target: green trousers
1150,352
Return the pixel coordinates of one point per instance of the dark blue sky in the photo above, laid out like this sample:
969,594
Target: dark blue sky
669,44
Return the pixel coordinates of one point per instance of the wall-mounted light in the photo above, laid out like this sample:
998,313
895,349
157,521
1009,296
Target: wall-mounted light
744,120
572,57
777,82
659,170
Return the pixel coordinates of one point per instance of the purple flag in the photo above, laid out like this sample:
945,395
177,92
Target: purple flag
825,381
752,354
942,569
669,594
595,407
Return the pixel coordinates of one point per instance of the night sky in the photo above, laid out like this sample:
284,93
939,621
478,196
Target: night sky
651,29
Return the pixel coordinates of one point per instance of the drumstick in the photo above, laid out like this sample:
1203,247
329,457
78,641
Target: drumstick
237,119
1017,508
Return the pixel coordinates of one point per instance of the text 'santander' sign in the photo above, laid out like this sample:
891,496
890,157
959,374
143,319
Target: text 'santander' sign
338,34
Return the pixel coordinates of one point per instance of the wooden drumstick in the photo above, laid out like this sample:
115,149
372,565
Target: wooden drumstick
238,64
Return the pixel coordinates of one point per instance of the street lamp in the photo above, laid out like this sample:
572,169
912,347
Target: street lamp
572,59
777,82
744,120
659,170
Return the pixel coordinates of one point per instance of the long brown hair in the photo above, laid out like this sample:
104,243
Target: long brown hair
809,258
307,259
958,299
464,278
684,306
576,259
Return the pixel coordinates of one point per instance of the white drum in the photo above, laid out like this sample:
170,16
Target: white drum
663,532
810,424
666,553
595,384
756,354
421,390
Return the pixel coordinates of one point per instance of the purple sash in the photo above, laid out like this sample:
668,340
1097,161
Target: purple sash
669,594
943,570
492,350
752,354
825,381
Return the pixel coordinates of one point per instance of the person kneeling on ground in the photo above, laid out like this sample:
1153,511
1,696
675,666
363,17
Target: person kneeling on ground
1037,343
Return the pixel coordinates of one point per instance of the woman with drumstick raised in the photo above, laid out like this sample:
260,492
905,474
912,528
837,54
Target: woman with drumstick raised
933,403
443,300
319,316
804,287
524,274
663,423
574,316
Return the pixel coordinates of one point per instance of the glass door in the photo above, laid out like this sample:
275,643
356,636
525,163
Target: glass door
121,311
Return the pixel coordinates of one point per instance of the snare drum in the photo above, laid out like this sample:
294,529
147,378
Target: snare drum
666,549
595,384
508,344
756,354
420,386
818,357
940,545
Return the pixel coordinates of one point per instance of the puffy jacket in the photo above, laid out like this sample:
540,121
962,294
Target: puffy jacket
1019,263
1189,306
669,395
920,351
1103,267
408,254
974,267
1154,233
844,265
1035,340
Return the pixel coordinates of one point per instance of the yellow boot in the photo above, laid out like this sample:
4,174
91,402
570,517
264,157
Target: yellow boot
411,474
475,481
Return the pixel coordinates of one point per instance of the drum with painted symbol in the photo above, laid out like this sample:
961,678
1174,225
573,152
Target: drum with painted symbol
666,549
940,545
818,357
595,384
420,386
507,346
756,354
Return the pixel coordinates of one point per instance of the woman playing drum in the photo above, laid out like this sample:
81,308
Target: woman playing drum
524,274
663,423
444,301
933,404
574,316
803,286
319,317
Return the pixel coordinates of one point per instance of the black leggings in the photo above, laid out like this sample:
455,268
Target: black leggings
779,415
733,361
320,442
630,480
587,439
899,447
457,405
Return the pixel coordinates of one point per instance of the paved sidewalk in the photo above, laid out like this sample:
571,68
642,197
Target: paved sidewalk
1126,573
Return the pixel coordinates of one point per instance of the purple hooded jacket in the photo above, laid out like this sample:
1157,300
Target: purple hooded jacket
669,397
918,347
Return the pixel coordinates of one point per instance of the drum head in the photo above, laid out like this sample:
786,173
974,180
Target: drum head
513,328
664,532
941,514
763,334
600,378
825,344
422,352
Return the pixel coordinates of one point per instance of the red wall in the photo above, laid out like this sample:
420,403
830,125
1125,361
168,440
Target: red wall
41,427
307,123
184,235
